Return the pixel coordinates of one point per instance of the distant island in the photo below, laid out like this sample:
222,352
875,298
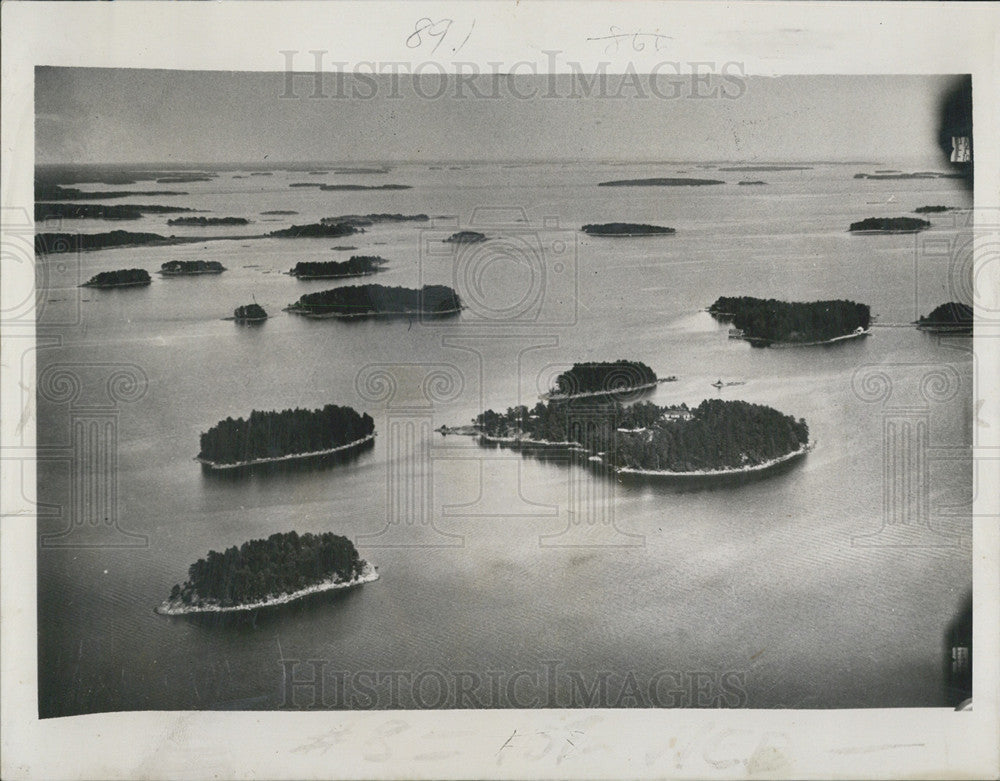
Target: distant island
52,243
715,438
357,266
261,173
889,225
952,317
768,321
465,237
660,182
378,301
917,175
55,192
183,179
269,437
626,229
316,230
306,184
187,268
364,220
366,187
361,171
768,168
602,378
203,221
280,211
751,182
261,573
933,209
99,211
249,313
126,277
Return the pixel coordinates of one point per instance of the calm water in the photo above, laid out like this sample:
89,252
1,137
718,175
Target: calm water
784,583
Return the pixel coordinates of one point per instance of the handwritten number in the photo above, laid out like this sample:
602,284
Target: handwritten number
426,26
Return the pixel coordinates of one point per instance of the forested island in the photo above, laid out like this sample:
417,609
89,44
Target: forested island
933,209
99,211
316,230
602,378
126,277
768,168
260,573
357,266
52,243
378,301
626,229
953,317
203,221
184,268
306,184
768,321
365,220
185,178
351,171
889,225
267,437
465,237
366,187
660,182
715,438
55,192
917,175
280,211
756,181
249,313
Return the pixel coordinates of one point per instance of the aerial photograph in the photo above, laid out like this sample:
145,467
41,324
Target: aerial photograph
393,392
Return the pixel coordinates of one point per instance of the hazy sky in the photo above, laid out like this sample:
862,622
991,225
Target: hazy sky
128,115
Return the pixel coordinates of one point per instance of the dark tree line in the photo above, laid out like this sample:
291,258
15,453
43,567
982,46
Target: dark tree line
283,563
192,267
124,276
891,224
51,243
626,229
376,299
953,313
316,230
357,266
209,221
783,321
716,434
291,431
98,211
607,376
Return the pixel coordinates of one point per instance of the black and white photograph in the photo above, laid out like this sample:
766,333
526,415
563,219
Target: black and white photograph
389,390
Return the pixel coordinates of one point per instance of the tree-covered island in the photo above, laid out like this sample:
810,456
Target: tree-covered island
715,438
273,436
357,266
190,268
603,378
100,211
768,321
378,301
366,220
626,229
933,209
660,182
265,572
889,225
465,237
316,230
52,243
953,317
126,277
250,313
204,221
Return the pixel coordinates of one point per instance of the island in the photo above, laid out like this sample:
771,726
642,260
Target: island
378,301
366,187
316,230
953,317
203,221
626,229
716,438
933,209
55,192
190,268
465,237
351,171
765,322
126,277
889,225
280,211
365,220
357,266
261,573
250,313
184,179
270,437
261,173
602,378
756,181
306,184
99,211
768,168
660,182
916,175
52,243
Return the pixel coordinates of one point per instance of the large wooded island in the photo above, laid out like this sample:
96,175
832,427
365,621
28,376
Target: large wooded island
378,301
766,321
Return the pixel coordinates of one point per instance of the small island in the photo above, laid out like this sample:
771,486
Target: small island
753,182
306,184
933,209
365,220
203,221
889,225
270,437
250,313
660,182
352,171
366,187
261,573
953,318
602,378
126,277
99,211
626,229
190,268
184,179
465,237
52,243
316,230
765,322
716,438
378,301
767,168
280,211
357,266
